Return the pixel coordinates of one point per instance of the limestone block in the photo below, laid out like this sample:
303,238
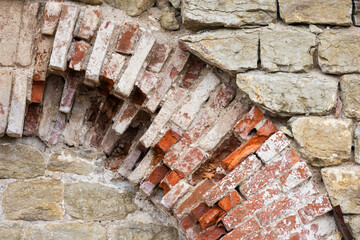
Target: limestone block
10,231
69,161
343,186
350,95
354,224
6,79
339,52
33,201
144,232
93,201
288,93
331,12
237,13
287,50
324,141
132,7
357,143
230,50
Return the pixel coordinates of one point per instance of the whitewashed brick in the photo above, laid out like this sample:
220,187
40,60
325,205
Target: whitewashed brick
174,100
27,34
6,77
128,79
18,105
192,106
114,67
71,83
78,58
147,82
176,192
63,37
129,162
124,117
142,170
159,57
98,54
42,57
273,146
51,17
110,141
89,23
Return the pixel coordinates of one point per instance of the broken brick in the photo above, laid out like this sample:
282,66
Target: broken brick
251,119
211,217
192,73
212,233
168,140
37,91
158,57
154,179
169,181
230,201
127,38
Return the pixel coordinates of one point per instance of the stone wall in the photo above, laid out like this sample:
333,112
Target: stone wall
241,124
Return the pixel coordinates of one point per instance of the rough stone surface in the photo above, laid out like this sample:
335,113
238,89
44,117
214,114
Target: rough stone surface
34,200
343,185
10,231
324,141
132,7
354,224
357,143
69,161
287,50
288,93
144,232
93,201
237,13
331,12
20,161
6,79
93,2
230,50
339,52
350,95
64,231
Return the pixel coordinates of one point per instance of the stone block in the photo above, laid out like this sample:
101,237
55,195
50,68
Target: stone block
132,7
11,231
144,231
350,95
357,143
6,79
68,161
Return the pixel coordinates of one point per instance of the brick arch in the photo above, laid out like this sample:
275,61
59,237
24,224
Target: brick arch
182,135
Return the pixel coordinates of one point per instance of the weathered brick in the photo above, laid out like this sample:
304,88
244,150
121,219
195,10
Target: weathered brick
127,81
269,173
211,217
171,104
199,210
190,162
158,57
273,146
247,208
109,141
250,120
51,17
176,192
63,37
253,144
299,173
124,117
71,83
147,82
187,222
89,23
77,61
212,233
27,33
230,201
316,208
32,119
233,179
58,129
193,104
196,65
6,79
142,170
243,230
113,69
224,95
37,91
176,65
127,38
42,57
98,53
18,105
287,204
154,179
170,180
168,140
129,162
193,232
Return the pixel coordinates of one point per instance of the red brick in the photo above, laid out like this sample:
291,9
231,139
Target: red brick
211,217
287,204
127,38
212,233
318,207
251,119
37,91
192,73
173,196
77,61
230,201
273,146
187,222
233,179
199,211
89,23
224,95
195,198
58,129
243,230
182,46
190,162
42,58
269,173
32,120
253,144
113,69
169,181
247,208
71,83
158,57
51,17
168,140
154,179
299,173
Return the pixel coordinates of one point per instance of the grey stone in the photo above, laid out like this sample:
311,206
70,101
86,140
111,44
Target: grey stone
236,13
10,231
324,141
287,50
354,224
331,12
20,161
230,50
93,201
339,52
69,161
357,143
168,20
350,94
343,186
145,232
288,93
132,7
66,231
34,200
